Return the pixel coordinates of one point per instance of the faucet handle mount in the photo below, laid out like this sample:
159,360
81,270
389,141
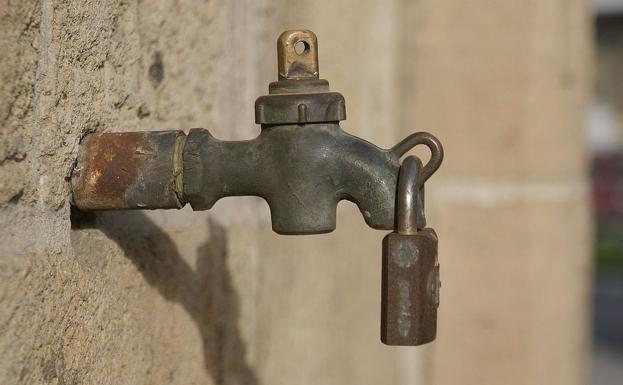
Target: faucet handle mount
297,55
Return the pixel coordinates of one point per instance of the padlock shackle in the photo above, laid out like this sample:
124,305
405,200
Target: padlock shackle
410,197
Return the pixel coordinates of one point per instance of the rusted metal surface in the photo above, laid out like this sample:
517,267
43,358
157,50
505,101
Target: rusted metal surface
410,288
133,170
410,272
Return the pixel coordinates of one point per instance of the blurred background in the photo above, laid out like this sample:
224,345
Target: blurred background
605,132
527,97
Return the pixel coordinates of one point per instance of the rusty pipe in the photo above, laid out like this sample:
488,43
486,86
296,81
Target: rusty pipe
130,170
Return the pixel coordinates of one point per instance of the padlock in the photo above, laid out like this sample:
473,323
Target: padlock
410,282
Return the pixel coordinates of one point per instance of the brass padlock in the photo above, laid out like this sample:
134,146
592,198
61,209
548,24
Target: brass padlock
410,283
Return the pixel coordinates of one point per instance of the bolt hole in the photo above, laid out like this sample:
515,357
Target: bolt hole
301,47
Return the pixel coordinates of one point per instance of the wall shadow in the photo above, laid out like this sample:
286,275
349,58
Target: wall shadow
206,293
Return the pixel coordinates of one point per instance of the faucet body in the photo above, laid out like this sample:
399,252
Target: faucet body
302,171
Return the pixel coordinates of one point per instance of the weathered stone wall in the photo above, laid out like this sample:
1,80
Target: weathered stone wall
123,298
215,297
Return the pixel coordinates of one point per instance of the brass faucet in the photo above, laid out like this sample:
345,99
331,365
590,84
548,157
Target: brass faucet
302,163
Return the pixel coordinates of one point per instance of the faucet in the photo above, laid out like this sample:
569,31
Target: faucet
302,163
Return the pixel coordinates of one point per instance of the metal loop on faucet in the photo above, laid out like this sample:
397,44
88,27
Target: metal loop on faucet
410,197
430,141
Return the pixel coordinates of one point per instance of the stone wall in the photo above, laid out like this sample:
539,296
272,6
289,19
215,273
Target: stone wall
182,297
